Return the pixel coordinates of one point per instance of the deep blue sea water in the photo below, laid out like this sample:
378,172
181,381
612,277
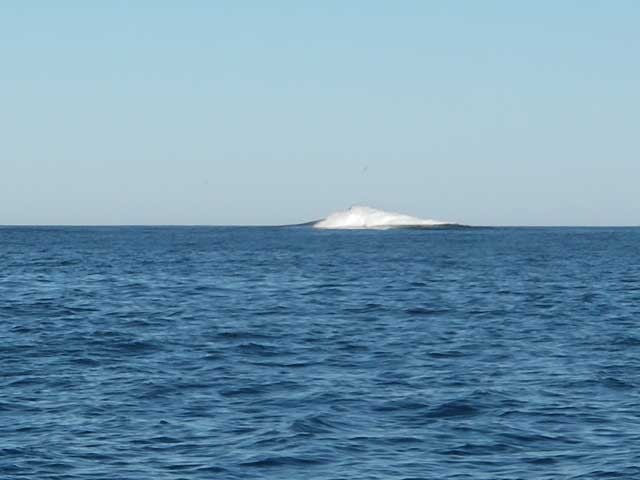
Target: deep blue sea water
293,353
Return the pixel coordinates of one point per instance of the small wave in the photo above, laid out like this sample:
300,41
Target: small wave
422,311
401,405
241,392
130,347
478,449
454,409
314,424
258,349
210,469
240,335
280,461
628,341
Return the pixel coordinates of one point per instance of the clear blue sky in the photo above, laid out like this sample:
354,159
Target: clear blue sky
256,112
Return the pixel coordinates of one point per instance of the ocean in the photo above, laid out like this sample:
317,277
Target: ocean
297,353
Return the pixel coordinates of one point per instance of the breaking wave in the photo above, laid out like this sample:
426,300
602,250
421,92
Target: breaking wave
367,217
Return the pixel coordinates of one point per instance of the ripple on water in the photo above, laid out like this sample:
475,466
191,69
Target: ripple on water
271,353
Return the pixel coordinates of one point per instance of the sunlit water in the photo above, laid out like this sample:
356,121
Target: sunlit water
297,353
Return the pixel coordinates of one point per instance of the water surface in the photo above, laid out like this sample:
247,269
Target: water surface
282,353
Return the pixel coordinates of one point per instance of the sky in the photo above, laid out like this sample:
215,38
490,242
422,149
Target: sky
252,112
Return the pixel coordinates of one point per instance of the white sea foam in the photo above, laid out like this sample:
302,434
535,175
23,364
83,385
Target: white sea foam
367,217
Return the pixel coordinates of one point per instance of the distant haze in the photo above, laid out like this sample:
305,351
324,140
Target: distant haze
196,112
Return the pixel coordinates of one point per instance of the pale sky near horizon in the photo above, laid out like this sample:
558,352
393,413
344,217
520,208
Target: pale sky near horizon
254,112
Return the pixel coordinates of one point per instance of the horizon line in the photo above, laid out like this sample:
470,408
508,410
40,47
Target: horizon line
207,225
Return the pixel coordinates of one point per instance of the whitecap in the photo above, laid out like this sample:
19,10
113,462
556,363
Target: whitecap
359,217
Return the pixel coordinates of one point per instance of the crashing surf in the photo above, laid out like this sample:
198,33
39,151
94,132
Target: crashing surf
363,217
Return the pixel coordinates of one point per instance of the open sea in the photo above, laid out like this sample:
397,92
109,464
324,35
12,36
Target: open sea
171,353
